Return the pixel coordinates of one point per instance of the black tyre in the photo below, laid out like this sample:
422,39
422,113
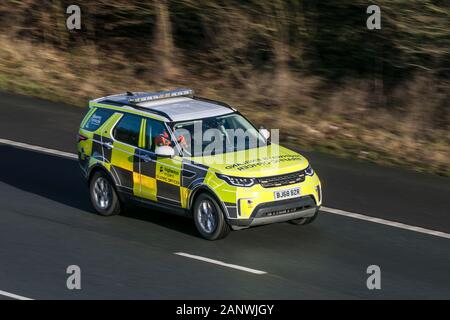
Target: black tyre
103,195
209,218
303,221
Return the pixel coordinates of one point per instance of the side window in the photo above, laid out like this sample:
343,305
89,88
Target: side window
156,135
127,130
97,119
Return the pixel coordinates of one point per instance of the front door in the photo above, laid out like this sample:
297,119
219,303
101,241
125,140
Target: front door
160,177
168,180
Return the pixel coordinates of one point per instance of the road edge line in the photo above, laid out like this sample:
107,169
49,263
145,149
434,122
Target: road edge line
221,263
390,223
14,296
38,148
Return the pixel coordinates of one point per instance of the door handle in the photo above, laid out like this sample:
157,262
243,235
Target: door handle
146,158
108,145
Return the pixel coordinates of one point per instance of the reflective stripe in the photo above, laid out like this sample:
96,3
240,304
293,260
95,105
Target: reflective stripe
142,134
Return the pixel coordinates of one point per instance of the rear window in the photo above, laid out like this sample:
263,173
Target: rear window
128,129
97,119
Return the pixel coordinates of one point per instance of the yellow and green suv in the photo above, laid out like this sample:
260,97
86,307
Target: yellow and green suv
180,153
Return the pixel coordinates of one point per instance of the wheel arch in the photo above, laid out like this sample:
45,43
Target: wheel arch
205,189
99,168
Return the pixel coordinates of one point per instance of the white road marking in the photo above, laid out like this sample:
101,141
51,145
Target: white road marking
329,210
220,263
386,222
37,148
14,296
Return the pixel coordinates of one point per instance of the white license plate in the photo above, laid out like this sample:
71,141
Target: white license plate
287,193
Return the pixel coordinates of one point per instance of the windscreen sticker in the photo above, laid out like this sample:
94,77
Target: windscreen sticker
96,119
263,162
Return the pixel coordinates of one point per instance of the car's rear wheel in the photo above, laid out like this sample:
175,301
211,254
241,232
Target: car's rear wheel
209,218
103,195
307,220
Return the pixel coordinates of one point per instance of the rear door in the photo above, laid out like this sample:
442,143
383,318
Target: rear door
124,153
147,159
89,136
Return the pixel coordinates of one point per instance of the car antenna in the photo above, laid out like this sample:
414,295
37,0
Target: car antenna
129,94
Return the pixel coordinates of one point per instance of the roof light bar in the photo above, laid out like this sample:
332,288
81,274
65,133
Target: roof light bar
148,96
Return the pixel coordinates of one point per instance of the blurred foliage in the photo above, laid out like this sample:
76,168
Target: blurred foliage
323,37
352,90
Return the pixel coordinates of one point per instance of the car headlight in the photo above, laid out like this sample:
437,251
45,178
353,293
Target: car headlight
309,171
237,181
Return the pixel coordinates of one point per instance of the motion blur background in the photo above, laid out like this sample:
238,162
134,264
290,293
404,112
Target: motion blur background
310,68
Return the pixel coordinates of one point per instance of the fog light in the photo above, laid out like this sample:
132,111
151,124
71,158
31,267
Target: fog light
245,206
319,193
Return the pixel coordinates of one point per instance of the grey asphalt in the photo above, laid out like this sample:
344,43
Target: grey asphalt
47,224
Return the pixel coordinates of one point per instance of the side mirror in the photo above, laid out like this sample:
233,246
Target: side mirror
265,133
165,152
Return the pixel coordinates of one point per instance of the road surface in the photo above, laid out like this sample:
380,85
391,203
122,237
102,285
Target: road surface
47,224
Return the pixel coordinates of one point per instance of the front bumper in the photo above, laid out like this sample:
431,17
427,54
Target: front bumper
278,211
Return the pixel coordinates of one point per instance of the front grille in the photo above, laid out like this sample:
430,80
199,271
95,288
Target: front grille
280,207
279,212
282,180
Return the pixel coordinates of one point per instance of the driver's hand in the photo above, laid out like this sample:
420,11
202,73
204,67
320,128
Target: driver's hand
182,142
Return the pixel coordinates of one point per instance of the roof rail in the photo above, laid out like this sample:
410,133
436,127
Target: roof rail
223,104
134,106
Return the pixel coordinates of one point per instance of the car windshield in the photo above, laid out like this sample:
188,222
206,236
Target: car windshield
216,135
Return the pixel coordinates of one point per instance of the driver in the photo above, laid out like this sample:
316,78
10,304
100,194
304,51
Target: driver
163,139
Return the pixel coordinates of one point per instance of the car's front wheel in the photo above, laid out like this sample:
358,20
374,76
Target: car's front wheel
103,195
209,218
